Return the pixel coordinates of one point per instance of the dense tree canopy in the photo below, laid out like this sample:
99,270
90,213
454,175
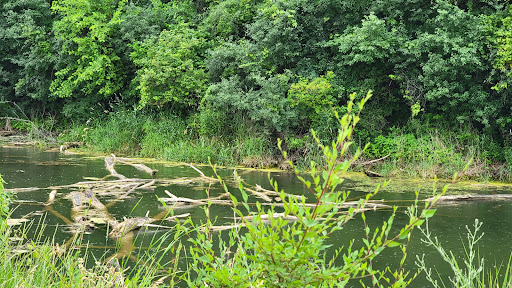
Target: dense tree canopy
276,66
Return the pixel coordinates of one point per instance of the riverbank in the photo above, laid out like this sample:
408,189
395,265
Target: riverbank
420,154
414,152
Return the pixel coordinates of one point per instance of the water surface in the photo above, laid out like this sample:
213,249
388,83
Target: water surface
24,167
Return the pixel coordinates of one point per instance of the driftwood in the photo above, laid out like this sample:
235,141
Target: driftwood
366,163
128,224
110,162
125,195
372,174
476,197
51,197
175,199
6,133
243,220
266,217
139,166
17,190
372,205
206,178
259,194
64,147
270,192
182,201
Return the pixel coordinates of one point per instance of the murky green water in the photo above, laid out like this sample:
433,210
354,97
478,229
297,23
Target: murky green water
30,167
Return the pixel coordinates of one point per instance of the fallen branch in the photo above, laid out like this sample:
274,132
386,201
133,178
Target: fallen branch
51,198
366,163
464,198
270,192
259,194
120,229
198,171
139,166
110,162
372,174
174,199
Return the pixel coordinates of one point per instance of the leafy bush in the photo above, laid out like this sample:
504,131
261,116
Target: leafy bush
170,68
270,249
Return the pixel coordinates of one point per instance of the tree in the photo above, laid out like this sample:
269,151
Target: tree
27,55
171,69
91,65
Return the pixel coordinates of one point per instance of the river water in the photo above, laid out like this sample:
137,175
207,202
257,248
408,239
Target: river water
28,167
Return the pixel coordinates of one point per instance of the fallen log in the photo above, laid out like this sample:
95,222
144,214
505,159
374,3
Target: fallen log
366,163
174,199
270,192
110,162
209,179
17,190
372,174
138,166
128,224
373,205
475,197
259,194
6,133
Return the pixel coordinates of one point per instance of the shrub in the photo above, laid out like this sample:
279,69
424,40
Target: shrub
270,249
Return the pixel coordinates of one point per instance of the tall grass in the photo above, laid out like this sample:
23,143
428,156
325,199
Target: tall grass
171,138
31,261
437,153
471,271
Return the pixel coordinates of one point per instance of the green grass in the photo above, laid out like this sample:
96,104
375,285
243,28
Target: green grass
441,154
31,261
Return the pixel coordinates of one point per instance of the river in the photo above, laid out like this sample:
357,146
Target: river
26,167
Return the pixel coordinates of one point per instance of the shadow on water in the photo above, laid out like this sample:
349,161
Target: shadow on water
29,167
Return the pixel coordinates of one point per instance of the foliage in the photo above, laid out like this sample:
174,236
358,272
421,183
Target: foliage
86,30
5,200
36,262
263,103
273,68
288,250
170,68
27,54
161,133
121,133
315,97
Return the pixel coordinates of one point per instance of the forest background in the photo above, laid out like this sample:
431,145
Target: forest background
224,79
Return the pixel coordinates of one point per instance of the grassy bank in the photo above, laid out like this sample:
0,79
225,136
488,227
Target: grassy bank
429,153
169,137
421,152
412,151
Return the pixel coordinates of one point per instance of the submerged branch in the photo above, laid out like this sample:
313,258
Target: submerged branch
110,162
476,197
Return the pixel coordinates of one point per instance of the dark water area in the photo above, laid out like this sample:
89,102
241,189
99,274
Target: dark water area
23,167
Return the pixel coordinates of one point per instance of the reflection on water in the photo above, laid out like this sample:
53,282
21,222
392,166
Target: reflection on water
30,167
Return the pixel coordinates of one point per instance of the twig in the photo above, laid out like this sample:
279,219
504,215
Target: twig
369,162
198,171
